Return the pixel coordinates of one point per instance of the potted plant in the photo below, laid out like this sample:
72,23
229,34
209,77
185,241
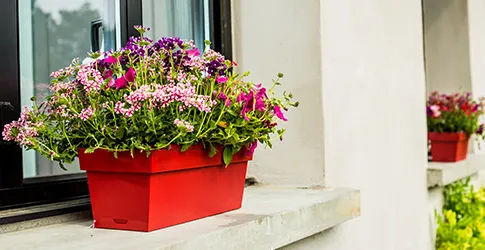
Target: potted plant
164,131
452,119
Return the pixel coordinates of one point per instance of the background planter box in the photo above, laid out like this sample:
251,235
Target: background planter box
448,147
167,188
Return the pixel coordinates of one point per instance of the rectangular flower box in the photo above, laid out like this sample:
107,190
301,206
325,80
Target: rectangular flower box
167,188
448,147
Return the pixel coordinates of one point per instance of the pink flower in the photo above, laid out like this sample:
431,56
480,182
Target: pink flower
86,113
184,124
435,109
221,79
278,113
193,52
90,78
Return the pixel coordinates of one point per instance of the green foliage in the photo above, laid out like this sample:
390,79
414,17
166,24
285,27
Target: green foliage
462,225
455,121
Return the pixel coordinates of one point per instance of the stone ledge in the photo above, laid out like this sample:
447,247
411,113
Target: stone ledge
271,217
444,173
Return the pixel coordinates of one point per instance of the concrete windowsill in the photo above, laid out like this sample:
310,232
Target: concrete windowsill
444,173
271,217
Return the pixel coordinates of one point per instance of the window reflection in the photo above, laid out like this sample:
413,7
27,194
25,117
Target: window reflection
52,33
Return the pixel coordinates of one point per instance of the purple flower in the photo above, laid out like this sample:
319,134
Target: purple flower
168,43
278,113
480,129
429,112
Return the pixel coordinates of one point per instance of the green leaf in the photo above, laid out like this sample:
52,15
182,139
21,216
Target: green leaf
185,147
227,156
89,150
212,150
61,164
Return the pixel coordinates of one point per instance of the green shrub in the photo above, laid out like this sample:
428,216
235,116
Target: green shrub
462,225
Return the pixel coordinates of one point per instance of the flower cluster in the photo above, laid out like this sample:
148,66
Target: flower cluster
454,113
147,96
89,78
22,130
184,124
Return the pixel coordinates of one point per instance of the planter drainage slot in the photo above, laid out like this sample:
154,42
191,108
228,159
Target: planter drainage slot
120,221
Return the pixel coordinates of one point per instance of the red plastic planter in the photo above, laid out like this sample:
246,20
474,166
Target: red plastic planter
448,147
167,188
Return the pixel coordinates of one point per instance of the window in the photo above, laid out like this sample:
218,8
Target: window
40,36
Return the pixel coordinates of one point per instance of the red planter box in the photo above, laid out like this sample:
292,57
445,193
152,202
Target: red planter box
167,188
448,147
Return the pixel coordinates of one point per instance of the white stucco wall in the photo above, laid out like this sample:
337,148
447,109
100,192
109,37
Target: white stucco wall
364,62
447,47
274,36
476,21
375,124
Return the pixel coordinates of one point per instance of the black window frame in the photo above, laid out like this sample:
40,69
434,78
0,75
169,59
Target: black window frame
15,191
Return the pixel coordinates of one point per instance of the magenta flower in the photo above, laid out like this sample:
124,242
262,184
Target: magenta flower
247,101
259,105
261,93
111,83
111,59
224,98
193,52
130,75
121,83
107,74
241,97
278,113
251,147
221,79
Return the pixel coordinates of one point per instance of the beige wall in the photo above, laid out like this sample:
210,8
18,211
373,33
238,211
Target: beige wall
447,45
274,36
